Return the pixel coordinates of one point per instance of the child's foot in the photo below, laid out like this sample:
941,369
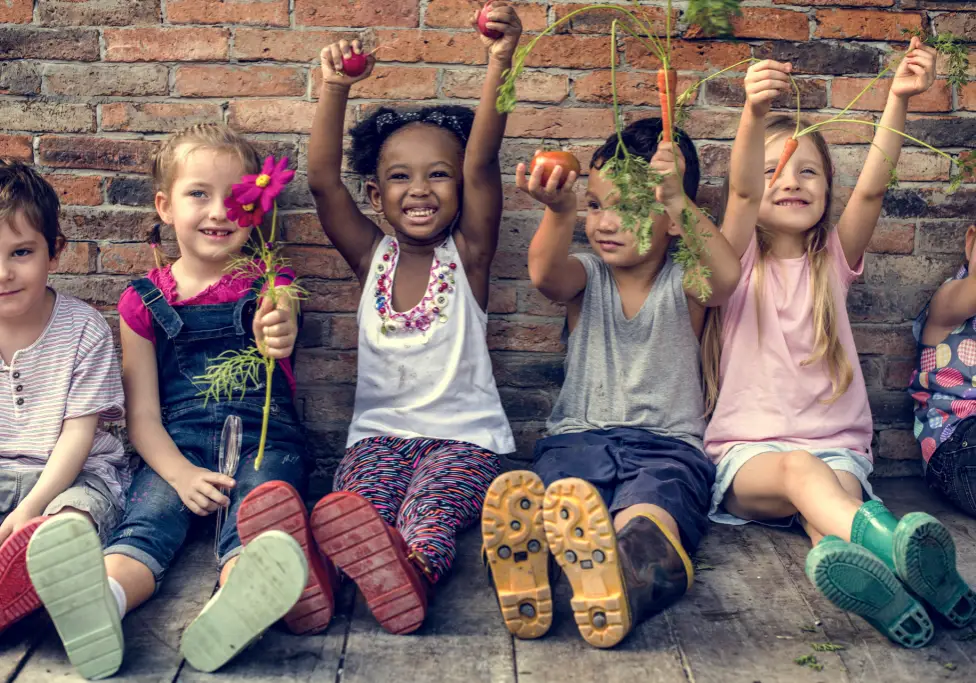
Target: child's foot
350,531
17,595
64,558
857,581
267,581
276,505
517,552
925,559
657,570
581,538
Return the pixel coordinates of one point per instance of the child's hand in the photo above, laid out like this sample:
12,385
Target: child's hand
275,329
197,488
663,161
764,82
503,18
559,199
331,58
16,521
916,72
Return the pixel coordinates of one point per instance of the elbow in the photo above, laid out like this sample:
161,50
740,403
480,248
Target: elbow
723,287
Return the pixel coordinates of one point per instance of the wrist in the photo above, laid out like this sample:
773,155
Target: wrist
564,207
33,505
502,61
332,88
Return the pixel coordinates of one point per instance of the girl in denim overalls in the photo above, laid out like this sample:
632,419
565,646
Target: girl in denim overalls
174,322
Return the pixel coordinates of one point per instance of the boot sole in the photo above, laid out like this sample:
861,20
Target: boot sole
581,538
511,525
17,595
267,581
275,505
353,535
67,568
856,581
925,559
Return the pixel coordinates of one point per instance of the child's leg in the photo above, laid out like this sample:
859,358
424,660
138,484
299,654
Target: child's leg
951,471
376,470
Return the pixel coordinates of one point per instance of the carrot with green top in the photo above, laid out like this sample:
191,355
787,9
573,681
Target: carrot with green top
788,149
667,87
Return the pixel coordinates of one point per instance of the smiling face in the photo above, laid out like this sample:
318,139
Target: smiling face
25,264
418,181
797,200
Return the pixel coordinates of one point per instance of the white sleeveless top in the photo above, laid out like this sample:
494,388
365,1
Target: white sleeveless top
426,372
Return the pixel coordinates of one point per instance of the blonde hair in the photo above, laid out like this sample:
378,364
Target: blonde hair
167,160
826,345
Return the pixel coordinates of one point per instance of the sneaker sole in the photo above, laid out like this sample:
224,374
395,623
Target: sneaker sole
266,582
518,552
275,505
17,595
856,581
925,559
581,538
66,565
353,535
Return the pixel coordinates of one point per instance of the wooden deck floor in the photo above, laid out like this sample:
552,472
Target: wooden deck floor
750,615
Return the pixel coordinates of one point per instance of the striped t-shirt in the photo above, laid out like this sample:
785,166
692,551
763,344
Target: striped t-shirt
70,371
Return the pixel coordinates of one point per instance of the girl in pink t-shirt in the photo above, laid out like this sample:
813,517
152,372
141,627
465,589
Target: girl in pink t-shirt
791,427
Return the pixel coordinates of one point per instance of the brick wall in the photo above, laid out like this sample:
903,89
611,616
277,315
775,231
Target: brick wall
88,87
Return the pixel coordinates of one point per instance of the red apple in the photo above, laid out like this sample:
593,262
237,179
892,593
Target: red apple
483,24
550,160
355,65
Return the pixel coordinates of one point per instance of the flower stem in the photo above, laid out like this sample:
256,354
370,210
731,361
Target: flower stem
269,365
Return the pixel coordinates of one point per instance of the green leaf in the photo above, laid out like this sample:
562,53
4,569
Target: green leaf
714,16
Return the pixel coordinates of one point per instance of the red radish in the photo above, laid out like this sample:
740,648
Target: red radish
483,24
550,160
355,65
667,91
788,149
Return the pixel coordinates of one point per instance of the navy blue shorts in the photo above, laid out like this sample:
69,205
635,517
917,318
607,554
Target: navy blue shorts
630,466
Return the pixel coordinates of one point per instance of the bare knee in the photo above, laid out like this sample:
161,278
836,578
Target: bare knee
795,467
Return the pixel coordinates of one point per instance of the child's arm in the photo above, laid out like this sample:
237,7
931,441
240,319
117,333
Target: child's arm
915,75
718,255
955,302
482,202
196,486
352,233
764,81
558,276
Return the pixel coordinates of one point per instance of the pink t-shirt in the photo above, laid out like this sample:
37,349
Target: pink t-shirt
766,394
226,289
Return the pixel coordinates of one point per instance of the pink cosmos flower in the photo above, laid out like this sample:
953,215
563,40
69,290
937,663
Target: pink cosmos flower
245,215
263,188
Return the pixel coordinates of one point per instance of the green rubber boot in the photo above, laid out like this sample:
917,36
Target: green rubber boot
856,581
874,528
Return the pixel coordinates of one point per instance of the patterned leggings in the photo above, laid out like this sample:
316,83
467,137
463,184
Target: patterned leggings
428,488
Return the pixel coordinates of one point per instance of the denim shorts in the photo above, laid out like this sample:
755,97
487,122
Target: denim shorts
951,470
838,459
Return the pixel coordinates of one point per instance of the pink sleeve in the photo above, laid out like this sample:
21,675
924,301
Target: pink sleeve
844,271
136,315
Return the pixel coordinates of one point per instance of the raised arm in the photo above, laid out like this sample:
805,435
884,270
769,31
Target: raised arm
764,81
915,74
955,301
352,233
482,209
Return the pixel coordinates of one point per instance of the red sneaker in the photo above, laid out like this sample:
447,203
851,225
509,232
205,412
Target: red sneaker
277,505
17,595
352,534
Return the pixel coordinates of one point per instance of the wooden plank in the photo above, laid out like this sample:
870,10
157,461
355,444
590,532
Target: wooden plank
463,638
743,620
17,642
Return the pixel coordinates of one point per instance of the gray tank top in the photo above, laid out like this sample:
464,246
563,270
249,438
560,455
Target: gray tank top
644,372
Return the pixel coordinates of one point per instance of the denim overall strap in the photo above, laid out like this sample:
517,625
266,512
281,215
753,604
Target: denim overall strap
239,310
154,301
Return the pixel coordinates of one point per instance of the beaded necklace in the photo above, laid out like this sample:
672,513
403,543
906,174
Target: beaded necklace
431,307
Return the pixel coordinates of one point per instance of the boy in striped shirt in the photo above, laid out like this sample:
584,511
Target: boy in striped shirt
59,382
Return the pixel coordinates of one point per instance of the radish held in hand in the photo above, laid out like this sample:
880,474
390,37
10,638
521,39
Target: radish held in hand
550,160
483,24
355,64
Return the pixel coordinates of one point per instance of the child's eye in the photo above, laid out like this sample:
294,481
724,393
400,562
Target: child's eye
197,194
769,171
810,171
440,174
20,253
593,206
398,176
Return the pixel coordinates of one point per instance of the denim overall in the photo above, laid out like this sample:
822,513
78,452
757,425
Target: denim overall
188,338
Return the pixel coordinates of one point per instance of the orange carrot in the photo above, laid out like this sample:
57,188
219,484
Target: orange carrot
788,149
667,84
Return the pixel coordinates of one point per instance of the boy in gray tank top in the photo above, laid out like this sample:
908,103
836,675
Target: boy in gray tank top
620,488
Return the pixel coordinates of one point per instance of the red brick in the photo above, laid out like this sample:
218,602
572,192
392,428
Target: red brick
16,11
898,373
501,298
957,23
763,22
712,124
942,64
87,80
357,13
97,12
100,291
865,24
730,92
913,165
938,98
601,20
20,42
84,223
843,3
267,12
504,335
510,265
571,52
967,97
318,262
166,44
45,116
322,365
156,117
532,86
397,82
433,47
893,237
553,122
632,88
127,259
304,228
282,46
272,116
532,302
888,340
18,147
80,190
689,55
714,160
344,332
77,257
239,81
331,296
95,153
458,13
898,444
844,133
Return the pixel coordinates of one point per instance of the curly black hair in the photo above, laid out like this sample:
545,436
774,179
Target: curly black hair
641,138
369,135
